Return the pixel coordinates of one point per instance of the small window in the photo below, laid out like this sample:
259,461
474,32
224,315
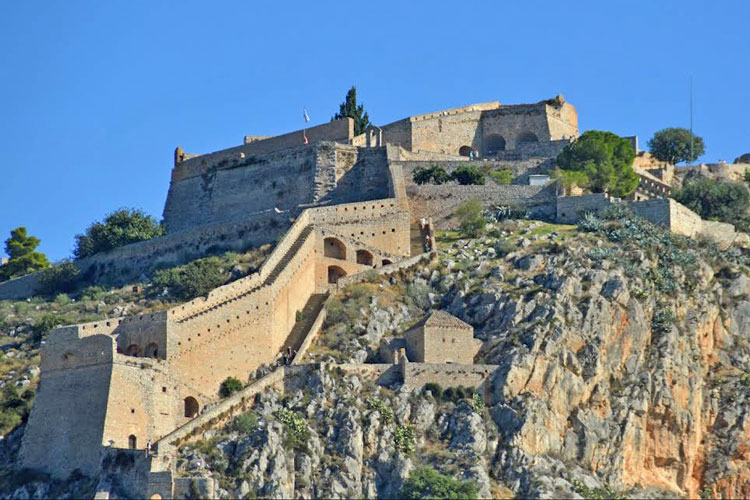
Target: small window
163,389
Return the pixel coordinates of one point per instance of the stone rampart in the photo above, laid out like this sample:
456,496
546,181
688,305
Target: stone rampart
439,202
569,208
447,375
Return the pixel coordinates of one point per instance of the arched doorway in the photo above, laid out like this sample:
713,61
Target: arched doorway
494,144
152,350
132,442
527,137
467,151
334,274
133,350
334,248
364,257
191,407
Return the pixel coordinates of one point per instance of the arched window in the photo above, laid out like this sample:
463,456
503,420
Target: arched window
334,248
132,441
527,137
191,407
386,262
133,350
152,350
364,257
493,144
334,274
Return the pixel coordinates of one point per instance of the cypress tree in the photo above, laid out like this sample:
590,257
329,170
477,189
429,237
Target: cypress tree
350,109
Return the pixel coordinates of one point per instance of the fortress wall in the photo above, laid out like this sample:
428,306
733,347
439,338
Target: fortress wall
446,134
562,121
520,168
19,288
144,331
512,121
281,179
64,430
400,133
335,131
446,375
137,404
439,202
569,207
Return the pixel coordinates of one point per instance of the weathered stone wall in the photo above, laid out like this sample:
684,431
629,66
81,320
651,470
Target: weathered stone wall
446,375
19,288
431,344
439,202
568,208
65,428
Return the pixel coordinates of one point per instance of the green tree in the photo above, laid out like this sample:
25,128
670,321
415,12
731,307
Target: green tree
503,176
194,279
431,175
24,259
468,174
119,228
470,218
350,109
606,161
716,200
426,482
743,158
673,145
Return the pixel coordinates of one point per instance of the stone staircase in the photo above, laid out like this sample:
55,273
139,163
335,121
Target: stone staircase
302,327
277,269
417,240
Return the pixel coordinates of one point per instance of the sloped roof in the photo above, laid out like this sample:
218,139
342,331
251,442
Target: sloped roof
441,319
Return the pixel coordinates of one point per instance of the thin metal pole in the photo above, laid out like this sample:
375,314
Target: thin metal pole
691,119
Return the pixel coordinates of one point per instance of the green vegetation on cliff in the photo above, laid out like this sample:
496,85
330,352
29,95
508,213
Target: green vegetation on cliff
119,228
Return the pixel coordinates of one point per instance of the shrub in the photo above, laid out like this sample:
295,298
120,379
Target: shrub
426,482
470,217
435,389
404,438
385,411
431,175
298,433
503,176
716,200
245,423
119,228
468,175
662,320
191,280
590,223
477,403
60,278
229,387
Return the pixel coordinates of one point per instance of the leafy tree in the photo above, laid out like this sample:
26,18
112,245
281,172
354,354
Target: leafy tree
426,482
470,217
350,109
230,386
716,200
743,158
60,278
119,228
24,259
468,174
431,175
673,145
604,160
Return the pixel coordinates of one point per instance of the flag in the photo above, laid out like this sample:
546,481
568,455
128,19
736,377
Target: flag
304,113
304,138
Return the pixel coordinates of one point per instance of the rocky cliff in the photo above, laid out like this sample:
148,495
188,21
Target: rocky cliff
622,360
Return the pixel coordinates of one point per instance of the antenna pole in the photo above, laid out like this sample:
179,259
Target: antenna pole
691,119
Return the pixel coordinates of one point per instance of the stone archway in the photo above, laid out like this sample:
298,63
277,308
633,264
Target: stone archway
494,144
466,151
152,350
133,350
132,442
335,273
364,257
334,248
191,407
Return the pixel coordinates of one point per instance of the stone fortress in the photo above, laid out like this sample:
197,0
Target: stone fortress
337,208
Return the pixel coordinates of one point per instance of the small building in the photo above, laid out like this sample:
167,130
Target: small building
438,338
539,179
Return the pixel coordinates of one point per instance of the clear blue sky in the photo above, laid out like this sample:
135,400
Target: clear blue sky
96,95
